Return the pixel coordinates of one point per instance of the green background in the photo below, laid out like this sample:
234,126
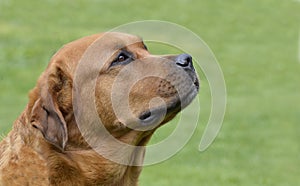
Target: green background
256,43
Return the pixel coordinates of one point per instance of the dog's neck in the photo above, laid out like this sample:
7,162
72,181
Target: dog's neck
80,167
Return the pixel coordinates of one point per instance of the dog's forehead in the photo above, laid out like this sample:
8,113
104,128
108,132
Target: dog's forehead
123,36
121,40
107,43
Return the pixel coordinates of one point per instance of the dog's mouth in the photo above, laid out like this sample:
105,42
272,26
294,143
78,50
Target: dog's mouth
156,116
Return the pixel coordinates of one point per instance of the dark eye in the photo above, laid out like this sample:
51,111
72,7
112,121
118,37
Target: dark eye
122,58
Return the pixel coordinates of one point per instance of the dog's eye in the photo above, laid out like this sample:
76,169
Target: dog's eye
122,58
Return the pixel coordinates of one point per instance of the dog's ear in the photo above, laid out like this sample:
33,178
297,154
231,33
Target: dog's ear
46,114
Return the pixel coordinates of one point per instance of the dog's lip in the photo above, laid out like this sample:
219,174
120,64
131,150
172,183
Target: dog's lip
197,83
158,114
153,116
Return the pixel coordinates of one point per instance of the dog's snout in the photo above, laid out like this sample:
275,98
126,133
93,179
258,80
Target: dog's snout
184,60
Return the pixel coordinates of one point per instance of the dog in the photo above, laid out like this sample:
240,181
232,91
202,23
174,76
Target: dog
106,84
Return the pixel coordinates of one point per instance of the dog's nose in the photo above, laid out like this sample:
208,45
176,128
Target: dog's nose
184,60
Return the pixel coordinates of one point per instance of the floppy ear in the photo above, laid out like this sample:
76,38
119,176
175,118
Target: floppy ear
46,115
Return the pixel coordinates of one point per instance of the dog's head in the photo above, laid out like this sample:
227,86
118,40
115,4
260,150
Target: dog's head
133,91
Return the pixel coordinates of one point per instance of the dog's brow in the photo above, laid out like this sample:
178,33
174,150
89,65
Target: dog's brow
119,46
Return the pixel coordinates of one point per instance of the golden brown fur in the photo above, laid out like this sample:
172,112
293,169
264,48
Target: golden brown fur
45,146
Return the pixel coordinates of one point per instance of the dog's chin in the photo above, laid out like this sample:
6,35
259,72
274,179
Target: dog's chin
155,117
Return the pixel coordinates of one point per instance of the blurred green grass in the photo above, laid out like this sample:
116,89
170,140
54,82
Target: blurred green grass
255,43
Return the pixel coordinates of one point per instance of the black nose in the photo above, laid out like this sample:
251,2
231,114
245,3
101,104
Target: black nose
184,60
